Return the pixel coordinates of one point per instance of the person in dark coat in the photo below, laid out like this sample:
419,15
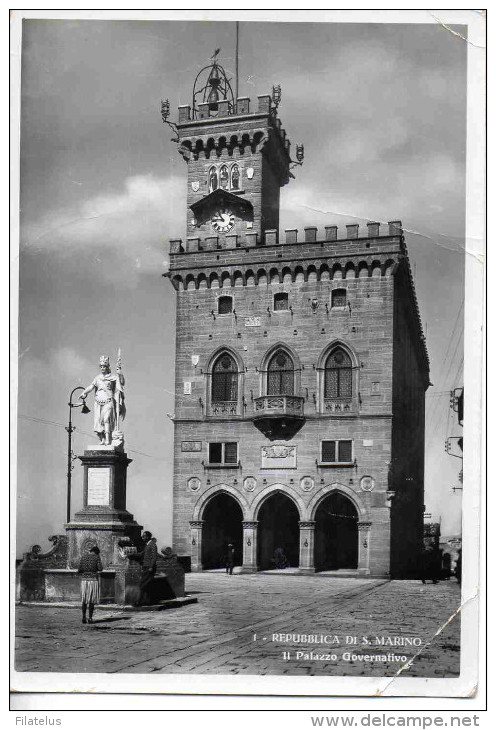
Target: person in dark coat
230,559
148,557
429,565
90,566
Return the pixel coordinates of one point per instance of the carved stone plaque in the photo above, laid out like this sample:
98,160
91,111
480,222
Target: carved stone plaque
194,484
278,456
253,321
191,445
98,486
249,484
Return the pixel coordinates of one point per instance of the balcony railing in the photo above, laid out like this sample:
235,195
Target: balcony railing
339,405
224,408
279,405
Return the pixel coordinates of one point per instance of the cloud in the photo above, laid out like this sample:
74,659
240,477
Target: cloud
115,229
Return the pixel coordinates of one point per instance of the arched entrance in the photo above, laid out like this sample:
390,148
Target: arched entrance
223,524
336,533
278,530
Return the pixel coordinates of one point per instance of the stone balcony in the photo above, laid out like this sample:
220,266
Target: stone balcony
278,416
339,406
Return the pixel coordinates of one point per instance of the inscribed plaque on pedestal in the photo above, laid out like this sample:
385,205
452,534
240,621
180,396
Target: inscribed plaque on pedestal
98,486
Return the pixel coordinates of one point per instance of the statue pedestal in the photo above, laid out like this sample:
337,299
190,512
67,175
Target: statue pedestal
104,519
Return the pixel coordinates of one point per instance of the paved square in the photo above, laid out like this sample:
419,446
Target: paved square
231,630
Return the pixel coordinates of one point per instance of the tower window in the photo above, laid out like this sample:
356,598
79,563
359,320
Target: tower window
225,305
336,452
338,375
281,302
338,298
213,183
225,380
280,375
235,177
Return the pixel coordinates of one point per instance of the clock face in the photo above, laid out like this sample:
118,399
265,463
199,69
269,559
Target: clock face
223,222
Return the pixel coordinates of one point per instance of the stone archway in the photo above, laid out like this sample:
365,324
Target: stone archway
336,533
278,530
222,524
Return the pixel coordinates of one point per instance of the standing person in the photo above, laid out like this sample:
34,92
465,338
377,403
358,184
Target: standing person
90,566
148,558
230,559
429,564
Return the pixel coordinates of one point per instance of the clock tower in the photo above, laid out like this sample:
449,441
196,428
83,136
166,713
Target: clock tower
238,159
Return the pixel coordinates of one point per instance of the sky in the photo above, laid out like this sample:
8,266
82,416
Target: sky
381,111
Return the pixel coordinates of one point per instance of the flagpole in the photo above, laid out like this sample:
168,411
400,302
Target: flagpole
237,63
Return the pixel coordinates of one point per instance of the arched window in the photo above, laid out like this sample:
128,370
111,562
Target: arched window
224,379
280,374
338,372
224,177
212,180
235,177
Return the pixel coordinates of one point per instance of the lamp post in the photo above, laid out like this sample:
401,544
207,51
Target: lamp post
70,428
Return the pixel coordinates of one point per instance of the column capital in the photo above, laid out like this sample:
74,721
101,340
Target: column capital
197,523
364,526
250,524
307,525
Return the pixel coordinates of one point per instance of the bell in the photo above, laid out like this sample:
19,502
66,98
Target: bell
85,409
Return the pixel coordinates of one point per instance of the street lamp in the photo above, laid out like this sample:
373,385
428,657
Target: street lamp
70,456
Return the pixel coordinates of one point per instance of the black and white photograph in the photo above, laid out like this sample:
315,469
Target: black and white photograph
248,344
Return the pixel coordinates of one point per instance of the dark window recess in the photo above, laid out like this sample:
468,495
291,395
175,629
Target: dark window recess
338,381
224,380
344,451
280,375
338,298
336,452
281,302
215,453
225,305
231,453
223,453
328,451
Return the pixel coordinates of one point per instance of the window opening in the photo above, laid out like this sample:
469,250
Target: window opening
338,298
338,375
336,452
280,375
224,380
225,305
281,302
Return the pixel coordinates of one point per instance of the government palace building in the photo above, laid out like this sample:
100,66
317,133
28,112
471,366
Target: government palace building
301,366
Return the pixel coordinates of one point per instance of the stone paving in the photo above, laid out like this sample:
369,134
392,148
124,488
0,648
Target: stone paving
231,630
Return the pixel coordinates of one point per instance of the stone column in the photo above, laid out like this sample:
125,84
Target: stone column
196,545
307,543
250,534
364,547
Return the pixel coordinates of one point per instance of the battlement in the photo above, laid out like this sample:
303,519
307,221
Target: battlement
271,237
225,109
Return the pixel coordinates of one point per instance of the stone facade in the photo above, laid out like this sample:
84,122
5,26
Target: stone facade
353,293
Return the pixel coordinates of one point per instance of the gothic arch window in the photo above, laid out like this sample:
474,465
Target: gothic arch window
280,374
224,177
235,177
225,380
338,375
212,180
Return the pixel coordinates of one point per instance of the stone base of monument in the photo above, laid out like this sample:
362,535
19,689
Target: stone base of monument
104,522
